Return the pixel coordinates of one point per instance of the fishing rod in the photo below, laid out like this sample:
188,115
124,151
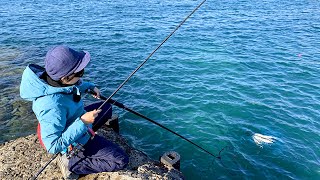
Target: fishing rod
125,81
45,166
120,105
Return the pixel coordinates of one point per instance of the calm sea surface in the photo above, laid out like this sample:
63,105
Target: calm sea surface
235,68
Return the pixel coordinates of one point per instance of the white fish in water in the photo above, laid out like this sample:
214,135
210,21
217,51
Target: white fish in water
260,139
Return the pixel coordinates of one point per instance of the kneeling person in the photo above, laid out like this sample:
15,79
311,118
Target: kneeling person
55,92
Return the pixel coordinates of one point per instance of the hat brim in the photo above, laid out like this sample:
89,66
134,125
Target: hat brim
84,62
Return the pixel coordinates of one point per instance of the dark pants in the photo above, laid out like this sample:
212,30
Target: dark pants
99,155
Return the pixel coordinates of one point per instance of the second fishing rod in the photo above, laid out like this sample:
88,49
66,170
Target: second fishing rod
122,106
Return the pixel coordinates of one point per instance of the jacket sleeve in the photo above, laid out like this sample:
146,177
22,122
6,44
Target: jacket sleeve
54,135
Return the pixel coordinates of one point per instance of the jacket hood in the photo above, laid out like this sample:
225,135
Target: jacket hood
33,87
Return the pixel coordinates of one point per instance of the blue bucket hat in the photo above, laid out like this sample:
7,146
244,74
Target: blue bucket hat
63,61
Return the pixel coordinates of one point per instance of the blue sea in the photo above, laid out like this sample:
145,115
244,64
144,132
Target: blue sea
235,68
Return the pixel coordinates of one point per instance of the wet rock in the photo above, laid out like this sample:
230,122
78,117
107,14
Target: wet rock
23,157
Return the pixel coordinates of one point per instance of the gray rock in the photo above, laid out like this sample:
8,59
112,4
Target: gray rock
23,157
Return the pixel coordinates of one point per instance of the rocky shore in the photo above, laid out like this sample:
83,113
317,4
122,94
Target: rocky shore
23,157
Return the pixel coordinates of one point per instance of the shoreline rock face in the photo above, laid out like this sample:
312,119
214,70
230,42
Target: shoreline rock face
24,157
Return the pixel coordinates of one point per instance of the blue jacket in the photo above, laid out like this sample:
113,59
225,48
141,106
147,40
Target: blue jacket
57,112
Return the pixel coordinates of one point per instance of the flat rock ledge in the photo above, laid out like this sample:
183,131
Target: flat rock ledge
24,157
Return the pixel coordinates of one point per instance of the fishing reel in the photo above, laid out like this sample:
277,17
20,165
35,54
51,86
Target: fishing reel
75,150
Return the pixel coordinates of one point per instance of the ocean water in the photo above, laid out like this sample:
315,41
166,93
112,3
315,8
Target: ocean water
235,68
